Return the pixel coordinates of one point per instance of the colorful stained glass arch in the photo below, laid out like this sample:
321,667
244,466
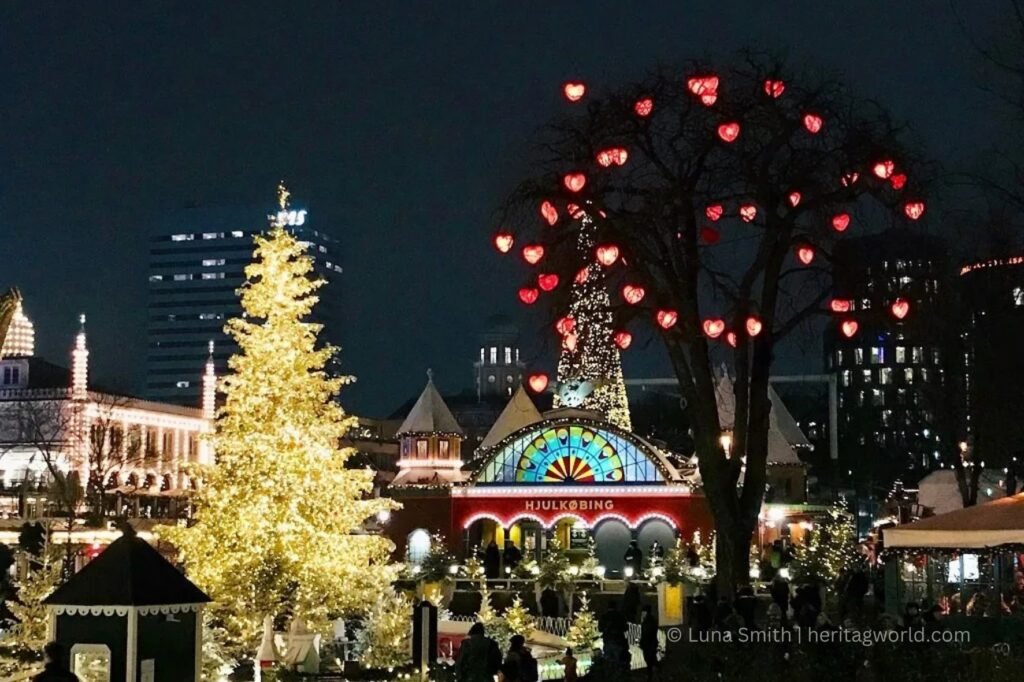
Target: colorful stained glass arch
570,454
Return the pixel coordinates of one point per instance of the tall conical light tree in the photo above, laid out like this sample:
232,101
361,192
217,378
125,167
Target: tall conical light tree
589,353
279,517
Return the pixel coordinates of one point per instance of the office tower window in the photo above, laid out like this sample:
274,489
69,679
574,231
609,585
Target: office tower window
508,355
917,355
858,356
844,378
901,355
877,397
182,237
877,355
494,355
885,376
211,262
866,374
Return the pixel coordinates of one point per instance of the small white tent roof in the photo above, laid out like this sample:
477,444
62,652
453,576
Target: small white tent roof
430,414
519,412
986,525
783,432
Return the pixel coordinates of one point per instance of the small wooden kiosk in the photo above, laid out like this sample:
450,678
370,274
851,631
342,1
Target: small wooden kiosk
130,615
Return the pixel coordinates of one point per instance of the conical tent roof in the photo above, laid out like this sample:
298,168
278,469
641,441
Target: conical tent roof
519,412
128,573
430,414
783,432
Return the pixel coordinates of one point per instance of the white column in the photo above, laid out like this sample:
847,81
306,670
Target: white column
131,651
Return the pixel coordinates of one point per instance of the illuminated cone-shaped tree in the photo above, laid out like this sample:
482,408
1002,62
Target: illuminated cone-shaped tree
831,551
589,354
279,517
22,647
384,640
717,198
583,630
519,620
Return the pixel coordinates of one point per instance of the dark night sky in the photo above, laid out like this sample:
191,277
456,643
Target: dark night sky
401,125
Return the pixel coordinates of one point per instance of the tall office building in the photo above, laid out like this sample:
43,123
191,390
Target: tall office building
196,264
896,376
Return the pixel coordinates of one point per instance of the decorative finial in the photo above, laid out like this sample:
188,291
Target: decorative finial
282,195
430,376
211,348
81,322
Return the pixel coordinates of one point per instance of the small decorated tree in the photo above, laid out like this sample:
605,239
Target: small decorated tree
384,640
520,621
23,644
436,572
591,562
556,572
583,630
495,625
830,551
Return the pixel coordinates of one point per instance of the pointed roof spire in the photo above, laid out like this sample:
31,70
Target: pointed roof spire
283,195
518,413
430,414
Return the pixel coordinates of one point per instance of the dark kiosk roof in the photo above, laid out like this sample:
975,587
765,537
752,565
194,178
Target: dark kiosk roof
128,573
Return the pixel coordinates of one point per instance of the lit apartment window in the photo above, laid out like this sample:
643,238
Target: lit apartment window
181,237
844,377
508,355
1018,296
237,234
494,355
213,235
936,356
839,358
885,376
858,356
901,355
182,277
211,262
481,355
866,375
917,355
183,384
877,355
213,275
877,397
211,316
908,375
156,278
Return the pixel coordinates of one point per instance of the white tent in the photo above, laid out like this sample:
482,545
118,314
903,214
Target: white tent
981,527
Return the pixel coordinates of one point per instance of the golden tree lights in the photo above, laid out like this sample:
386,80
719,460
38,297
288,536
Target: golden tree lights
279,520
594,357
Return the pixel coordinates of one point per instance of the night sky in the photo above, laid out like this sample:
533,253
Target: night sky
401,125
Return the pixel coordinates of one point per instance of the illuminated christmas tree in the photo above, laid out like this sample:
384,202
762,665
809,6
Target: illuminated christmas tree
589,354
519,620
583,630
23,644
384,641
279,519
830,551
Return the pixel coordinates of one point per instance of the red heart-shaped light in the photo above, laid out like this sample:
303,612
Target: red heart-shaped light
547,281
840,222
729,131
550,213
849,178
794,199
528,295
667,318
900,307
805,254
840,305
748,212
644,107
709,235
574,211
623,339
569,342
612,155
883,169
574,182
730,339
532,253
565,325
914,209
713,327
538,382
705,87
714,212
574,91
753,326
633,293
582,275
849,328
813,123
607,254
503,242
898,180
774,88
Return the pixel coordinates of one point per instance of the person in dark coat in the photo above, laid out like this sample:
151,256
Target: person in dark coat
613,626
479,657
492,560
519,665
512,556
649,640
56,668
634,558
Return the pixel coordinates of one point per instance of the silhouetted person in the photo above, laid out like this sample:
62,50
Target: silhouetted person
649,640
612,625
569,663
519,665
634,558
56,668
512,556
479,657
492,560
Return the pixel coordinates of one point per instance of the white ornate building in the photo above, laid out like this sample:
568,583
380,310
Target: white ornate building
51,419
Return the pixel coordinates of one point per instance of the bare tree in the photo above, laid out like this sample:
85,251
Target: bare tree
723,193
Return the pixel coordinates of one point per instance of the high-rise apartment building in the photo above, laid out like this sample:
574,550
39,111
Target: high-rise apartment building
196,264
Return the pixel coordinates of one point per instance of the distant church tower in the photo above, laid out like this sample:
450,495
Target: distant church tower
498,371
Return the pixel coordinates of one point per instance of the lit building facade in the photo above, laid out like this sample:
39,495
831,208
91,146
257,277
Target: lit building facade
196,264
140,452
499,370
896,375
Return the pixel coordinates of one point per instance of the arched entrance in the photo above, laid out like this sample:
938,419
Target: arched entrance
612,537
658,530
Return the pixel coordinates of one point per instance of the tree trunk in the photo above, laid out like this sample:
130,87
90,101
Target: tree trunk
732,558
